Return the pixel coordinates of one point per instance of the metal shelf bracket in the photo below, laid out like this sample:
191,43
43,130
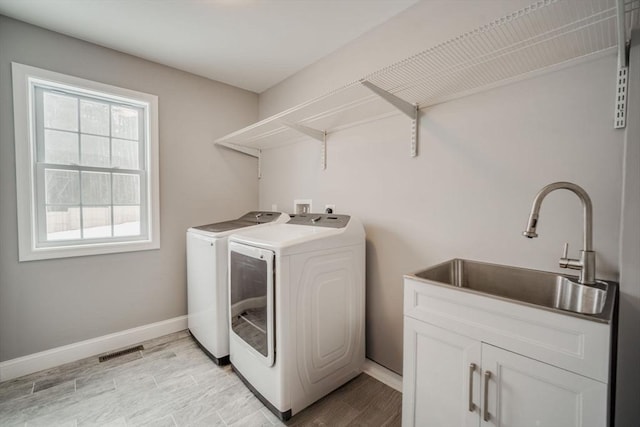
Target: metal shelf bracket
620,114
407,108
620,118
319,135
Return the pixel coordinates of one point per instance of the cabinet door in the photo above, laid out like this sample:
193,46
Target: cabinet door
441,385
524,392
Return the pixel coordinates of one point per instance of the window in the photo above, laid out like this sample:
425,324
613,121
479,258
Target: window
86,166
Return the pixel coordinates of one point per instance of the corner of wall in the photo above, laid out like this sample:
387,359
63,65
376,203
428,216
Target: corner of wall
627,411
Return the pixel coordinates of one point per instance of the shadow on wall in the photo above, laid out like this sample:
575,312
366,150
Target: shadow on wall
474,158
384,293
628,351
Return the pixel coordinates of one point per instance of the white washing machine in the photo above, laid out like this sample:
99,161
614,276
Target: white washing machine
207,288
297,300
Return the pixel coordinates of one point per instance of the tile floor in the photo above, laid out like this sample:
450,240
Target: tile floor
173,383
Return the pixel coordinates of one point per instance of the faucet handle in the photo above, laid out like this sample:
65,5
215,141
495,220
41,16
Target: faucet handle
566,262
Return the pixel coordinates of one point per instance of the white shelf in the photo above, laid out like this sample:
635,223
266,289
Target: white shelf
546,34
350,104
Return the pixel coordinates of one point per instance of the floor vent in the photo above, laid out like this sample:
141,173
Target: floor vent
120,353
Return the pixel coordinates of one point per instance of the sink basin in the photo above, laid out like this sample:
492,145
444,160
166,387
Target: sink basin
540,288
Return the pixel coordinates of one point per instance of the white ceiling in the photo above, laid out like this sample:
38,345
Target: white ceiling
252,44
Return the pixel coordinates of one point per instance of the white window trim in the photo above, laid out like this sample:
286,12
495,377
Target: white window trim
25,178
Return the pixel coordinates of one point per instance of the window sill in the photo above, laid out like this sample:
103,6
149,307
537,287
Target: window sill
35,254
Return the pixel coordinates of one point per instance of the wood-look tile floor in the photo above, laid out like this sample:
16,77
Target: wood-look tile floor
173,383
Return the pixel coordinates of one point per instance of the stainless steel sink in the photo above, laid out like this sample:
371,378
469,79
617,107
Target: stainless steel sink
539,288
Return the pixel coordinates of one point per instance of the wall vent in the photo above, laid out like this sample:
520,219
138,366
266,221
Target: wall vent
120,353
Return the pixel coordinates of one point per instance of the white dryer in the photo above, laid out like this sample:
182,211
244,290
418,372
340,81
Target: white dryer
207,288
297,295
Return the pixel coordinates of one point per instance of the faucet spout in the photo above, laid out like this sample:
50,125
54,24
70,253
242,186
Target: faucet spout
586,263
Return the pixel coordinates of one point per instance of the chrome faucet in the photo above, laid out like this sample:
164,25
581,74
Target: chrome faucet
587,262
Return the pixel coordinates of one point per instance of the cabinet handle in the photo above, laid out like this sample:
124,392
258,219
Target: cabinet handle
486,415
472,369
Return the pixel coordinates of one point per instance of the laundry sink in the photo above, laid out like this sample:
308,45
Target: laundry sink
532,287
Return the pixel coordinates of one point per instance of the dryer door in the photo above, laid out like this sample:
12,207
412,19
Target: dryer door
251,299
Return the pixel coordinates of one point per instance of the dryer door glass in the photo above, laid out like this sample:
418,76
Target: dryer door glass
251,288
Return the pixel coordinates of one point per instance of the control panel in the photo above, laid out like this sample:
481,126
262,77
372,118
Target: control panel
320,220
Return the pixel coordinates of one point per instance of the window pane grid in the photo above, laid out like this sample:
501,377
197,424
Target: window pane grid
73,132
98,192
53,89
111,198
80,173
77,167
88,213
68,126
128,127
110,141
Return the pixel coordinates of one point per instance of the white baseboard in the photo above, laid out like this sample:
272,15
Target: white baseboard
70,353
383,374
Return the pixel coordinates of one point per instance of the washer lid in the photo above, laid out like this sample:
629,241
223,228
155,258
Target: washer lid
246,220
282,235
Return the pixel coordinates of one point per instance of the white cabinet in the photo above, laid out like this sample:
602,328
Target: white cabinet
525,392
437,380
454,375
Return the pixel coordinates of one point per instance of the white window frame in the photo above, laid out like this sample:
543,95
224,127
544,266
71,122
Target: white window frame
25,79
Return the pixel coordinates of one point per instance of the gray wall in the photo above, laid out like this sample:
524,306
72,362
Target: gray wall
482,160
46,304
628,408
421,26
469,192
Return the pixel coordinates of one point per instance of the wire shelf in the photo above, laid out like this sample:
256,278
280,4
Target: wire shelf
542,35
